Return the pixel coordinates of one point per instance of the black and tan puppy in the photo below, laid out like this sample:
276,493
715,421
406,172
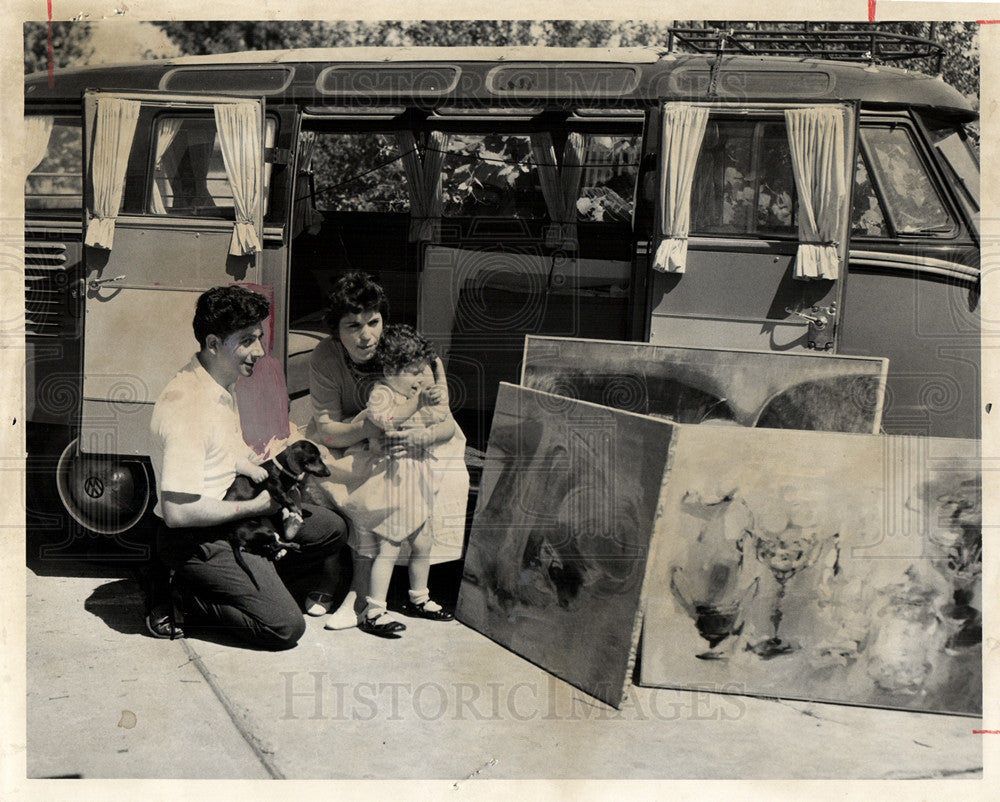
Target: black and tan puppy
285,473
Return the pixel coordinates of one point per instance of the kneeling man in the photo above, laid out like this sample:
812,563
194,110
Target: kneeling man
198,449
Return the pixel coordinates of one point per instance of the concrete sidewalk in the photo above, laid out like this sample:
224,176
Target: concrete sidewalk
442,702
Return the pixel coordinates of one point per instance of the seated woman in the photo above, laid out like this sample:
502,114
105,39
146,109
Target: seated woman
343,371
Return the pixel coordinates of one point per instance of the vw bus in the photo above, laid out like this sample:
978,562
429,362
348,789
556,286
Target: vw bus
752,196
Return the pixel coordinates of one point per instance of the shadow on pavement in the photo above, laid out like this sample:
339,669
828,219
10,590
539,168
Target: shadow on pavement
119,604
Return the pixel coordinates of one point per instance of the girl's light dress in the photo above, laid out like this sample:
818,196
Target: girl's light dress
392,497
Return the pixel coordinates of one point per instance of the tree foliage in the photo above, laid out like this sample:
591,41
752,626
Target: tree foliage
70,44
220,37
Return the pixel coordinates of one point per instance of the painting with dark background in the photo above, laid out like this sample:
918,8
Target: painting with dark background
699,385
557,554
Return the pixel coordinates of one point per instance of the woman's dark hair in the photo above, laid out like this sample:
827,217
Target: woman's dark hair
353,294
401,346
224,310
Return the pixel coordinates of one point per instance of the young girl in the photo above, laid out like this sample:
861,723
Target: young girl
396,498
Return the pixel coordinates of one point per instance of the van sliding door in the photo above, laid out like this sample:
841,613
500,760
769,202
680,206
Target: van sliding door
737,286
174,193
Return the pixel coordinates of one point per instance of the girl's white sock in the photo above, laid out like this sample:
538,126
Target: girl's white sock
375,607
423,597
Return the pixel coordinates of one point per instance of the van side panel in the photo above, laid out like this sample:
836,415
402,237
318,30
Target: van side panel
734,294
929,329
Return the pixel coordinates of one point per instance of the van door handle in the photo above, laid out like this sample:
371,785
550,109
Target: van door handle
95,284
819,321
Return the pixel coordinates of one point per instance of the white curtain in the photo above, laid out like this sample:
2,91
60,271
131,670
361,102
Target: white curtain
569,178
424,179
307,216
113,134
38,130
239,127
543,153
559,186
680,142
817,139
163,170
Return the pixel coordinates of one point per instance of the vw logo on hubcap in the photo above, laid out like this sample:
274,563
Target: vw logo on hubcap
94,487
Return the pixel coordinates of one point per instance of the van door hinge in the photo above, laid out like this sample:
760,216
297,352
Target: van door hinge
277,155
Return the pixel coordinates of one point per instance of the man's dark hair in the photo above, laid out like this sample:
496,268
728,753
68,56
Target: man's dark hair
353,294
401,346
224,310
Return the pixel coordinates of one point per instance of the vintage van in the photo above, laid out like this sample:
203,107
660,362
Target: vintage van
746,196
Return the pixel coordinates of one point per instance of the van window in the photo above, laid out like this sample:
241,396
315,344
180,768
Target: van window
56,183
867,217
359,172
953,143
743,182
607,185
913,204
491,175
189,174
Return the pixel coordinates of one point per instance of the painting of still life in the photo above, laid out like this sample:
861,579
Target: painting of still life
761,389
558,550
823,567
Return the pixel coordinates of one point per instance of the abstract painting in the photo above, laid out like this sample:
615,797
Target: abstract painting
558,549
695,385
817,566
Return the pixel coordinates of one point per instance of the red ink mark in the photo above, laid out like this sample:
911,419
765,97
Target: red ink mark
986,732
52,66
871,10
988,22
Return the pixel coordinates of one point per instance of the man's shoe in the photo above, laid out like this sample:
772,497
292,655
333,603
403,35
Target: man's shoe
160,624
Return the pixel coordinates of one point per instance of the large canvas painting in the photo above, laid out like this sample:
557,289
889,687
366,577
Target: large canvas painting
817,566
694,385
557,554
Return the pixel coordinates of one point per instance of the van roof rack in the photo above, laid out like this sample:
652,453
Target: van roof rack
810,40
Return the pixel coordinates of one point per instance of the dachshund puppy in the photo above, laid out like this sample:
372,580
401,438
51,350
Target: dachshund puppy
285,474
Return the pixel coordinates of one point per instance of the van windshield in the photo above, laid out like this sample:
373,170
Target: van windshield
952,142
908,189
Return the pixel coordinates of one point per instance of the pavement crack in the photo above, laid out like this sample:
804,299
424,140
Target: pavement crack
488,764
263,754
807,712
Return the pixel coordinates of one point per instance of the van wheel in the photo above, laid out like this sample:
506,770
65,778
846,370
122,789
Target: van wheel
105,495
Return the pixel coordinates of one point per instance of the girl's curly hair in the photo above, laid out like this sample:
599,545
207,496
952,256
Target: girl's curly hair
401,346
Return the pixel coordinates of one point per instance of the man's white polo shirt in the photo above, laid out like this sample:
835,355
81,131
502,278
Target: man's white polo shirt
196,435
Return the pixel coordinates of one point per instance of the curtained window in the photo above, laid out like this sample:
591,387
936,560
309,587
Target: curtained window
423,175
164,164
53,164
680,142
817,138
36,142
240,127
305,214
113,134
560,184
